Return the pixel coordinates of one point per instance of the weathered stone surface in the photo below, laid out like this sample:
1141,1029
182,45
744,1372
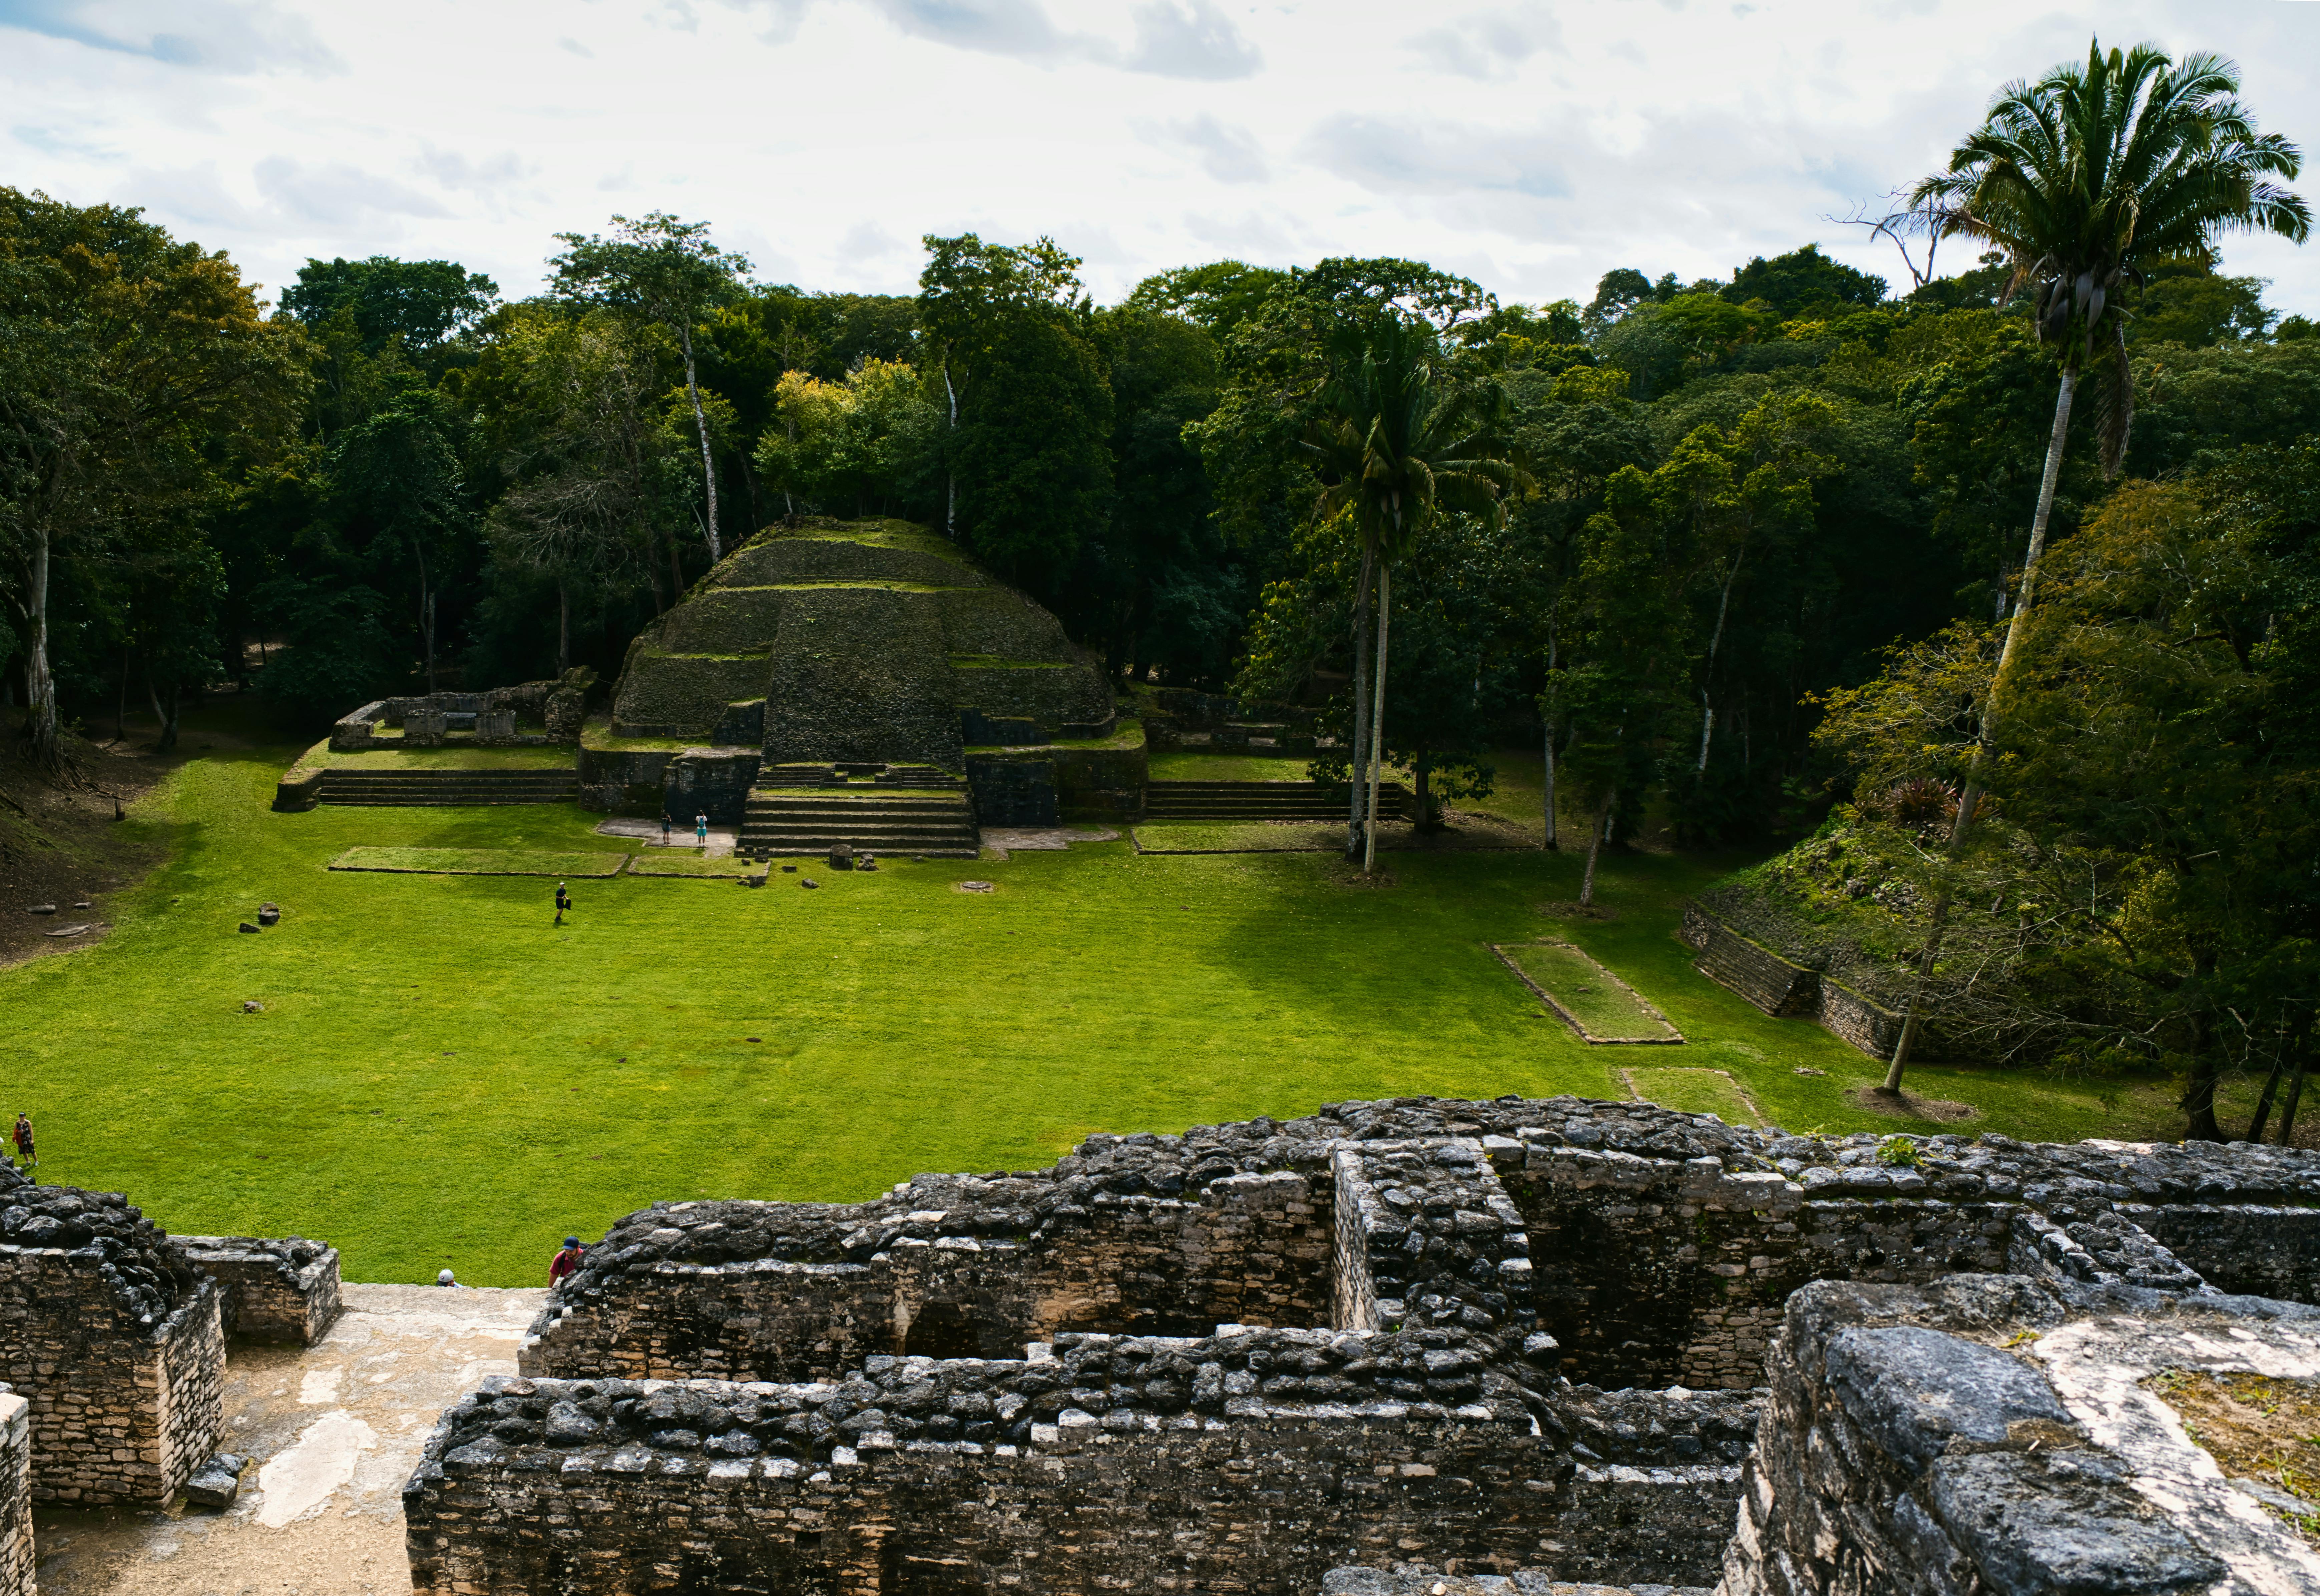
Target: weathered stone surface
1997,1435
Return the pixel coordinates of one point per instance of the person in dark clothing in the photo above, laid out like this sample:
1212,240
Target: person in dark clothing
560,1268
563,903
665,828
24,1143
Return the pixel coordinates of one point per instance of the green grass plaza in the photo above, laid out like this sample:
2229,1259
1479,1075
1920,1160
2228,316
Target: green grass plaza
438,1077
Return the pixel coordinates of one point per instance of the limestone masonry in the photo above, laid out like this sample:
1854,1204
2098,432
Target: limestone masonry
1515,1345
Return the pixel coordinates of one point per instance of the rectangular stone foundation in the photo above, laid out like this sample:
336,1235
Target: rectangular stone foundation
283,1290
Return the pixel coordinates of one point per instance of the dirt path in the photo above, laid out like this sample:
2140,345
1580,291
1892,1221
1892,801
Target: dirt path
334,1432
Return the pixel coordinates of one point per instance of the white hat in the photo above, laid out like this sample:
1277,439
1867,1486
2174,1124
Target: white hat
443,1277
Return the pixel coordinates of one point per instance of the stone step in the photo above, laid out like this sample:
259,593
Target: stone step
446,788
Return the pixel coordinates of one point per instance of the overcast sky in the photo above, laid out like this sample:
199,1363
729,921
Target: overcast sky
1532,147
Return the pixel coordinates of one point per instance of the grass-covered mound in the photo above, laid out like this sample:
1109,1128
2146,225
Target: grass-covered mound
1855,902
866,639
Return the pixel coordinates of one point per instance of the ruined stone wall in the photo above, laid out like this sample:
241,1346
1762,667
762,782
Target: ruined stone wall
1248,1462
986,1272
273,1290
1467,1255
1650,1272
121,1411
16,1551
2253,1249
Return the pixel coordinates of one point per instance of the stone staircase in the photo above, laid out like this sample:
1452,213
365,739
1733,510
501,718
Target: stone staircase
1758,974
919,809
447,787
1259,800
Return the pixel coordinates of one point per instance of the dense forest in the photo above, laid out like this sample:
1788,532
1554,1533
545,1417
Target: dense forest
393,480
1747,558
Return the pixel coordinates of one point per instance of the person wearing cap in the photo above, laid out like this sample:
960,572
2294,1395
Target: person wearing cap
563,903
445,1278
567,1262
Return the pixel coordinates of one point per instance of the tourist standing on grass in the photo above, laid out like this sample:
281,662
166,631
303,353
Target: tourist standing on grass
565,1263
700,831
563,903
24,1143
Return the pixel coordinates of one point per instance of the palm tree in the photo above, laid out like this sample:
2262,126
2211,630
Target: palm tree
2080,180
1398,439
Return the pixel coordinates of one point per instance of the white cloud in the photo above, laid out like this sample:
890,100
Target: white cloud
1228,153
233,36
1537,145
1189,39
1488,45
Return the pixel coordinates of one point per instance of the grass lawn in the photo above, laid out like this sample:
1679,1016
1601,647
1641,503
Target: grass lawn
439,1075
469,758
671,861
479,861
1245,836
1190,764
1604,1006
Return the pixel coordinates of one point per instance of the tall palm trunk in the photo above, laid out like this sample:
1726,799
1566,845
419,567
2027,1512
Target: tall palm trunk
1377,717
1361,737
1938,923
700,425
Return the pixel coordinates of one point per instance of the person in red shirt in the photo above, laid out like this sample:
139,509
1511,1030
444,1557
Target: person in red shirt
565,1262
24,1143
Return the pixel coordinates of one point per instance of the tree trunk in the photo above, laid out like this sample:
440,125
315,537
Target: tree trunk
167,716
1595,849
1970,799
1361,731
2264,1099
426,612
2295,1087
563,625
2199,1097
1377,717
676,572
1549,719
950,473
1914,1018
40,734
707,469
1424,797
121,704
1707,672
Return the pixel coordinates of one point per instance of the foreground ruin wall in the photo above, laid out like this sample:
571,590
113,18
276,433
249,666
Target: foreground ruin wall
115,1342
16,1554
1231,1357
2001,1434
